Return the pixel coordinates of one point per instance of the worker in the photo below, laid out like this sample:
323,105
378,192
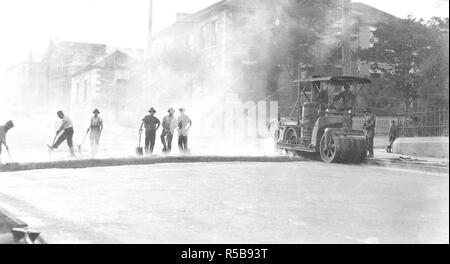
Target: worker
96,129
393,135
369,130
347,97
3,131
322,99
184,125
151,125
169,125
67,127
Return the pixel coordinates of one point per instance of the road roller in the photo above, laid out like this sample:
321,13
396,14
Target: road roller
322,126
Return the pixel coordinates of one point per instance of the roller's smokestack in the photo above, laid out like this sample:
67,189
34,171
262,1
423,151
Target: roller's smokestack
150,28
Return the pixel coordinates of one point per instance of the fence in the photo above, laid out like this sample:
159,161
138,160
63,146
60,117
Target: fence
430,122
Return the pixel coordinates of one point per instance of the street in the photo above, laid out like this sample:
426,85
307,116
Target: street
298,202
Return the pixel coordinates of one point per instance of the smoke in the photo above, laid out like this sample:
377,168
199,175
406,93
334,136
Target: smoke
229,79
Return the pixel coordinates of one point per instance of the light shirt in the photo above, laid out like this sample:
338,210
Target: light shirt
96,122
66,123
170,123
183,123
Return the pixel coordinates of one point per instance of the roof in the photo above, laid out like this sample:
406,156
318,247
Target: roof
96,64
212,9
337,80
371,15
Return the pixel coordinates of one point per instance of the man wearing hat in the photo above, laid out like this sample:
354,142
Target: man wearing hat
169,125
96,129
3,131
369,130
151,124
67,127
347,97
184,125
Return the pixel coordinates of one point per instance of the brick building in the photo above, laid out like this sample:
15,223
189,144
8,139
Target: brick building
221,35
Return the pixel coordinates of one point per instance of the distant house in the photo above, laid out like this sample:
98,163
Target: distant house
101,82
59,63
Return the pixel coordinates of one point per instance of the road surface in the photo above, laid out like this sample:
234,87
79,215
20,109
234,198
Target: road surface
300,202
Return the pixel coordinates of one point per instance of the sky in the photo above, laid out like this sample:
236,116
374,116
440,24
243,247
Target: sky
28,25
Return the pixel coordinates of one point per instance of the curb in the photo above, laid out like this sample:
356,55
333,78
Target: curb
436,168
117,162
17,223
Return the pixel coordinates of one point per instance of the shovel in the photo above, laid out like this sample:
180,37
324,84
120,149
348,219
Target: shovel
10,158
50,146
139,149
82,143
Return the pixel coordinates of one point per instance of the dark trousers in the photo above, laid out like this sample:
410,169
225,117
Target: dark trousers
67,135
369,140
150,139
183,143
166,140
391,142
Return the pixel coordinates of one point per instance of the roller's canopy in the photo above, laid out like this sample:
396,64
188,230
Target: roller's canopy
338,80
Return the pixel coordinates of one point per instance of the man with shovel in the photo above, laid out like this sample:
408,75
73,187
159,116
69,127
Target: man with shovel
67,127
96,129
3,131
151,124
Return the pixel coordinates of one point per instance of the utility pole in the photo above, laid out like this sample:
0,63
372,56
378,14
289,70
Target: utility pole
346,39
150,29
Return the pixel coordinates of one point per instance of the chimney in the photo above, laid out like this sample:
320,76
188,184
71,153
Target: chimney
150,28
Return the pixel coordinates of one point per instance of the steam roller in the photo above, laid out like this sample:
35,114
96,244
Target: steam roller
321,128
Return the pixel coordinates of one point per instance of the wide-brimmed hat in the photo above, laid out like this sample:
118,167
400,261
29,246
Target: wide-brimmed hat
368,110
96,111
9,124
152,110
171,111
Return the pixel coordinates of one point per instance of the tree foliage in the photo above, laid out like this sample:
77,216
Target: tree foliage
413,58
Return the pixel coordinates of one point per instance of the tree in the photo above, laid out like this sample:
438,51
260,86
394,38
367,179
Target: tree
288,36
435,67
410,53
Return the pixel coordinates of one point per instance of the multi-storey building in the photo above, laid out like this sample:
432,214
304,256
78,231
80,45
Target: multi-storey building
224,34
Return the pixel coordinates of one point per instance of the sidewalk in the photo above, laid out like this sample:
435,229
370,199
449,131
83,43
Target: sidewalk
430,164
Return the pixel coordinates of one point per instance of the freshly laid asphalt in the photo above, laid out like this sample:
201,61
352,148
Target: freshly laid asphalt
231,202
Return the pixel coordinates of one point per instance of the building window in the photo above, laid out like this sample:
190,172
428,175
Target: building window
77,93
202,37
85,90
191,43
215,32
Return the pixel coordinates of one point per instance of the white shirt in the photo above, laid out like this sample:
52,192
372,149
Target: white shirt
66,123
184,122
